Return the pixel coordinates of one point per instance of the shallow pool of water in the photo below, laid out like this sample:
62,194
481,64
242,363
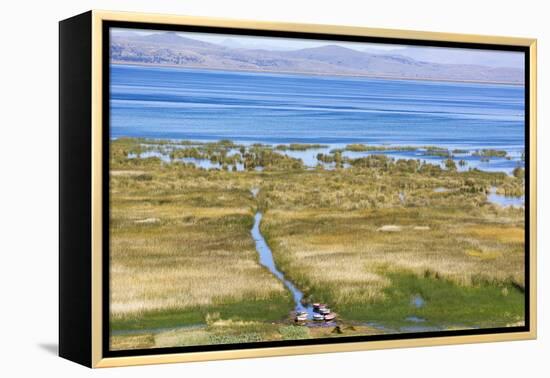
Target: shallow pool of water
148,154
415,319
418,328
505,201
417,301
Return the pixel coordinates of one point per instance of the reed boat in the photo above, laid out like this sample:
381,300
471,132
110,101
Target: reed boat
317,307
318,317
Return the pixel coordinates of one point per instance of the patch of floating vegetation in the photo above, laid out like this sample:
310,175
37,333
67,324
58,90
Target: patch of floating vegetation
230,156
299,147
489,153
365,148
437,151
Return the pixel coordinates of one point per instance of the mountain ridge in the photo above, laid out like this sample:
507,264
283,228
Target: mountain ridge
172,49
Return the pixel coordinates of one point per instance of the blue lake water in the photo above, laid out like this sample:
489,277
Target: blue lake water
283,108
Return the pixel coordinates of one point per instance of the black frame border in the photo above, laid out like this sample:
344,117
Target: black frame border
105,56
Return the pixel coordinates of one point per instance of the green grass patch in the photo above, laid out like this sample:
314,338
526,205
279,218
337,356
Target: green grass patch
269,310
445,303
294,332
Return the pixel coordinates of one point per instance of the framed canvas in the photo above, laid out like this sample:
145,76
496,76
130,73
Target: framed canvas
235,189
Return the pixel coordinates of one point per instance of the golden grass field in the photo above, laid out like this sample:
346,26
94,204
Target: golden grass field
365,239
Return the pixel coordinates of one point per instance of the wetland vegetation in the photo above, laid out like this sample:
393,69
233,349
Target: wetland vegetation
393,244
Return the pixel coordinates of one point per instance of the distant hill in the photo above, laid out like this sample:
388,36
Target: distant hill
173,49
457,56
173,39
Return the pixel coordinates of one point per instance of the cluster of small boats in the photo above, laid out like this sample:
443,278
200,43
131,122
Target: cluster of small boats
321,313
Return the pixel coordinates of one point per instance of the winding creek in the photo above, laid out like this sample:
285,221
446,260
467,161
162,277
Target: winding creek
266,260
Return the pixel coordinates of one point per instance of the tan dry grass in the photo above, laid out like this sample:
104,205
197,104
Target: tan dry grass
351,256
322,226
191,255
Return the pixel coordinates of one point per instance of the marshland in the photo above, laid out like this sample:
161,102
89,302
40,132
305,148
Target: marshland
394,239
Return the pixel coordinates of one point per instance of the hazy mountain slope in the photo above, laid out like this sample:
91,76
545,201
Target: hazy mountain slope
173,49
457,56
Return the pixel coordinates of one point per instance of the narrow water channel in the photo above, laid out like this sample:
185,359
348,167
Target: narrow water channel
266,259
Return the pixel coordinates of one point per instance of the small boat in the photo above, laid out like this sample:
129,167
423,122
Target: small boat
324,310
318,306
318,317
329,317
301,316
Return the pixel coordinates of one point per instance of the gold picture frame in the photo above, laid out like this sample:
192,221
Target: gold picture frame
90,329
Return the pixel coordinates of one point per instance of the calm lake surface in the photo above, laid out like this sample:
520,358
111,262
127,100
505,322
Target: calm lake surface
278,108
248,107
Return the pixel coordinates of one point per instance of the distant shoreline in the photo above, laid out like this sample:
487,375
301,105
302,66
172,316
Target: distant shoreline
386,77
